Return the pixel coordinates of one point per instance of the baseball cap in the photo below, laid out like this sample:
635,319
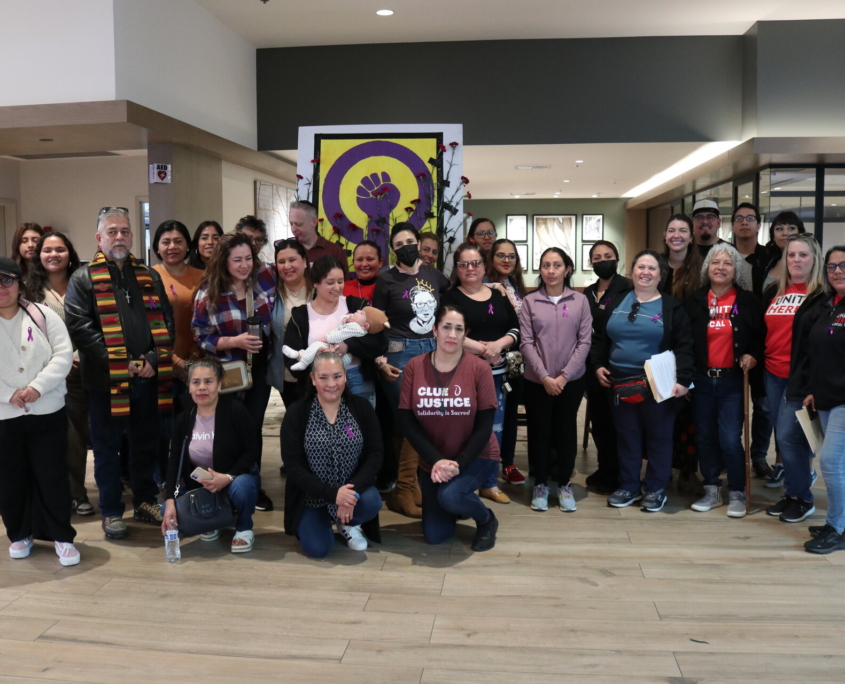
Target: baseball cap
9,267
705,205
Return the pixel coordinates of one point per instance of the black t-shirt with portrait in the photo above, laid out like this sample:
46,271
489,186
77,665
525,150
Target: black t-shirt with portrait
410,301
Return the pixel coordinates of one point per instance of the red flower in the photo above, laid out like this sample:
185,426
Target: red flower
410,210
335,229
298,177
315,161
337,214
415,201
464,180
469,213
352,226
375,230
422,175
384,189
368,216
453,144
442,148
469,195
321,220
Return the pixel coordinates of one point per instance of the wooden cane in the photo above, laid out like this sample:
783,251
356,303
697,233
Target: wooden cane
745,401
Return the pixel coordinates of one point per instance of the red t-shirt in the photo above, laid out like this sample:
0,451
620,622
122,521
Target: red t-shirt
779,318
447,412
354,288
720,332
837,299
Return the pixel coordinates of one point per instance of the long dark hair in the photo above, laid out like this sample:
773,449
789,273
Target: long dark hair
194,258
687,279
168,226
296,246
216,278
36,279
567,262
17,238
784,218
516,277
474,226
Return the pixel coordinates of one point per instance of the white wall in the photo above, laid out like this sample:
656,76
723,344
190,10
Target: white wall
239,192
10,199
56,51
67,194
176,58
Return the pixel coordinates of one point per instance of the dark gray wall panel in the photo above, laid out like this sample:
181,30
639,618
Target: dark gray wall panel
664,89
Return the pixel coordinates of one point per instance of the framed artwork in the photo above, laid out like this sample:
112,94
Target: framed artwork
586,265
517,227
553,230
522,250
592,227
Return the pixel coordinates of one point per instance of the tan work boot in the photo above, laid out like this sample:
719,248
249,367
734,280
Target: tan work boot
407,493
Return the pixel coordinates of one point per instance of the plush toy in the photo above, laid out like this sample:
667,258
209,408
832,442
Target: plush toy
367,320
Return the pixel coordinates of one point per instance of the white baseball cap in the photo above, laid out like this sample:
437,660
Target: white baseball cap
705,205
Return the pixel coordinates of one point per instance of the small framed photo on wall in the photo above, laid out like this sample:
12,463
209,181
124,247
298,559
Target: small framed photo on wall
556,230
592,227
522,251
586,264
517,227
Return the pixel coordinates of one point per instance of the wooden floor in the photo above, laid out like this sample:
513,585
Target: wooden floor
599,596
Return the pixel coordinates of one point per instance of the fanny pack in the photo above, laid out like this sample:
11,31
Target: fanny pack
633,389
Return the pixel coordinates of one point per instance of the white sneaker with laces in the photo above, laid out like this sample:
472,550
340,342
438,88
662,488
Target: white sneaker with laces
540,502
68,554
354,537
566,498
20,549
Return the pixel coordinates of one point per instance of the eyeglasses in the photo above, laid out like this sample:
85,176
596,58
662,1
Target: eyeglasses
258,242
485,233
501,256
705,216
745,219
635,308
106,210
831,268
7,281
463,265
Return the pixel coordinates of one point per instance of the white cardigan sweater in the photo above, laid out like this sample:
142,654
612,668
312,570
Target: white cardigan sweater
42,364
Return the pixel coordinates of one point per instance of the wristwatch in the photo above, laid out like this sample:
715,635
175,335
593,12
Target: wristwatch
231,479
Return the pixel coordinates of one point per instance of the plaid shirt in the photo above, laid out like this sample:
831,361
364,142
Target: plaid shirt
228,318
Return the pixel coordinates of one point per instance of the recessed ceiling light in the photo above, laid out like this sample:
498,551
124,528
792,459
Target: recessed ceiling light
777,188
384,13
763,192
579,161
747,196
595,195
566,181
833,205
522,194
512,195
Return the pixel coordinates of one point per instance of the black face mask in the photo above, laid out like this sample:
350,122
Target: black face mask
407,255
605,269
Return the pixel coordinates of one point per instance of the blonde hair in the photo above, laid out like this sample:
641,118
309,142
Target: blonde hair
814,282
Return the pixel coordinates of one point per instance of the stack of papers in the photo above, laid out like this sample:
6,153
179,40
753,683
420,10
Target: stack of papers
660,370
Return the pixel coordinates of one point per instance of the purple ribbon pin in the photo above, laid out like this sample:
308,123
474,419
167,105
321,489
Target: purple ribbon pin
657,317
349,432
152,303
405,296
735,310
29,334
490,309
173,290
565,311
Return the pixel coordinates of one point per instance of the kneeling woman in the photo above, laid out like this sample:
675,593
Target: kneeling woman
332,451
446,412
218,435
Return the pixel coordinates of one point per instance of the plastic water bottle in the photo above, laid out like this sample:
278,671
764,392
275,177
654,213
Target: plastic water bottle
171,544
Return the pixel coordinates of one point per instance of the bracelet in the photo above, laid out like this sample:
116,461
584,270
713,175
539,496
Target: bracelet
231,479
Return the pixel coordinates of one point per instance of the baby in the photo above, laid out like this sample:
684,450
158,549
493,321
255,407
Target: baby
358,324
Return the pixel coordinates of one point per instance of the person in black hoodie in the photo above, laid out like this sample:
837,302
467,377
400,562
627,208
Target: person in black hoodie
215,433
727,329
826,384
604,258
637,325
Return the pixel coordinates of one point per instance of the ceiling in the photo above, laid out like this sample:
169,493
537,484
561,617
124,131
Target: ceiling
290,23
607,170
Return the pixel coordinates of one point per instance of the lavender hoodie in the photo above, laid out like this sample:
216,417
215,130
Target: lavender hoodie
556,338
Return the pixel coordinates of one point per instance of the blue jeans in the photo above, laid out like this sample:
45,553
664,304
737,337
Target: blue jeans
718,409
358,386
315,525
400,359
833,465
141,428
793,444
498,425
444,503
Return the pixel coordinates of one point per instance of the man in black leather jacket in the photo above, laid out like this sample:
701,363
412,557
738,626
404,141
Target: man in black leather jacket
141,426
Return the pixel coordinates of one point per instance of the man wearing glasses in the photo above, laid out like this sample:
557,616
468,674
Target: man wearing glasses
746,224
303,225
706,222
121,321
256,230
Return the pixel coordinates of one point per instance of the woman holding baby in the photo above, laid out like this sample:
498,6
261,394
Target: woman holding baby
311,323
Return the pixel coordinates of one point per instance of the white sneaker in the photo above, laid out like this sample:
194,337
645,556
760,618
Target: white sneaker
20,549
712,499
354,537
736,505
68,554
540,502
566,498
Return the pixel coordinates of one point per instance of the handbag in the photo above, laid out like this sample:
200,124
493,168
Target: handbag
199,511
633,389
237,375
515,365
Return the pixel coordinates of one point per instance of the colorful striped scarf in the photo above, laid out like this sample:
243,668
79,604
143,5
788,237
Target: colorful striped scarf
113,334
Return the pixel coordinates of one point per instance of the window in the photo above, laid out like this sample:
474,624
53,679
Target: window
788,190
723,195
834,208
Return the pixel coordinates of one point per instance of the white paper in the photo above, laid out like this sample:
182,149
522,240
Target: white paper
812,429
660,370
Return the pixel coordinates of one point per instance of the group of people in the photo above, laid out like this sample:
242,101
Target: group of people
416,378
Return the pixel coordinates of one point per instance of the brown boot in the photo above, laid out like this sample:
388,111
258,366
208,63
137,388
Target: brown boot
404,498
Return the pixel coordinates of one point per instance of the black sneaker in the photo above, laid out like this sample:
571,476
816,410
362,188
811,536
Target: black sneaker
622,497
815,530
762,469
829,540
485,535
779,507
654,501
264,503
148,512
797,511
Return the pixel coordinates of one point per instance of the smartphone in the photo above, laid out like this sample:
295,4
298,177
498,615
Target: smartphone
201,475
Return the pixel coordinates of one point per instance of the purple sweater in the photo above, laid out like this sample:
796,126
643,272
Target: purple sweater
556,338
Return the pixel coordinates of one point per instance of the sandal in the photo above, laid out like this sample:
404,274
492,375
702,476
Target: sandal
20,549
243,541
210,536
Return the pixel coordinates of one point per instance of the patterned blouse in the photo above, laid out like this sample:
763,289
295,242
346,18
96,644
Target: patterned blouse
513,295
332,451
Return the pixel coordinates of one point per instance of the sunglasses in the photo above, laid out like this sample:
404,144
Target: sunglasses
635,308
285,243
106,210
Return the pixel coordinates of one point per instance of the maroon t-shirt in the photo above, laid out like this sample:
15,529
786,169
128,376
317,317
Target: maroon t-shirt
325,248
447,412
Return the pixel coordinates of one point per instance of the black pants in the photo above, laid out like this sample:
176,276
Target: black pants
34,487
603,430
552,422
513,400
290,393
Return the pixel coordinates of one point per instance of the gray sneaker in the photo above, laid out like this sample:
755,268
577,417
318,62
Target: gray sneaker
114,527
736,505
540,502
566,498
712,499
